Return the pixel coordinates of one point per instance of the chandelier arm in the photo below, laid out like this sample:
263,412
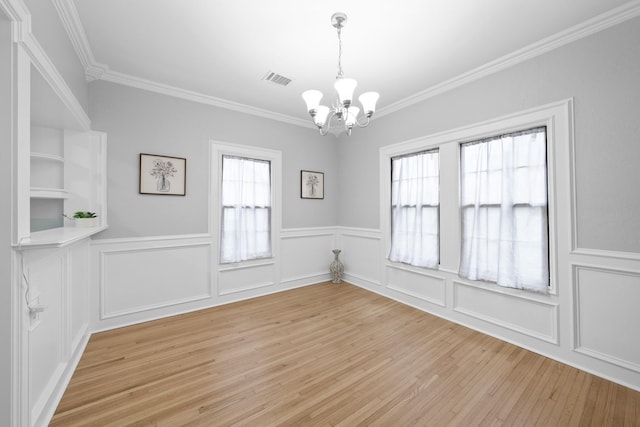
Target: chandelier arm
327,126
365,124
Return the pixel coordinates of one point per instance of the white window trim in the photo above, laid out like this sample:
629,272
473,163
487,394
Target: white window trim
558,118
219,149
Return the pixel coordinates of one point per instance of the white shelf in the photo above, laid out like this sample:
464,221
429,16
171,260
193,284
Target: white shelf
48,193
58,237
51,157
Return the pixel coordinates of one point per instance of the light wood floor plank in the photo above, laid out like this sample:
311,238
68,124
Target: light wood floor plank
327,355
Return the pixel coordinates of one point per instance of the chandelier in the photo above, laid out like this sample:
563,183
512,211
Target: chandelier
342,107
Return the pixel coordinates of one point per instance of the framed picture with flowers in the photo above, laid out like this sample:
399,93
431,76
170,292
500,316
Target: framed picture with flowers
164,175
311,185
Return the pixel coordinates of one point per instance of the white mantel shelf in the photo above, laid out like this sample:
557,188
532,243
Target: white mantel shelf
58,237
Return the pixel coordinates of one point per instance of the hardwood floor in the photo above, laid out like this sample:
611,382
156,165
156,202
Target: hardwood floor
328,355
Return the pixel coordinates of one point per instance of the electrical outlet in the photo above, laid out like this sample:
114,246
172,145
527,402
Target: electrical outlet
34,312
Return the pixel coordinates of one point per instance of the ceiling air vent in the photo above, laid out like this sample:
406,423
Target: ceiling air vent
277,79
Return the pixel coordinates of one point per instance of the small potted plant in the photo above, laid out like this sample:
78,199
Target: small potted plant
84,219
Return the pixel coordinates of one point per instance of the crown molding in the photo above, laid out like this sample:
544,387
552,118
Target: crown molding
71,21
18,13
601,22
43,64
97,71
153,86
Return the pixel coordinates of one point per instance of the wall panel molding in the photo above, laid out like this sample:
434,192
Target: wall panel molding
600,253
130,276
605,305
527,316
417,284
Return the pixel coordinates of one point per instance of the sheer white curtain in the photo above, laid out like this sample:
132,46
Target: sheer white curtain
246,209
415,200
504,210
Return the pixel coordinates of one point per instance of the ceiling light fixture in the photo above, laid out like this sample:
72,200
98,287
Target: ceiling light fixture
342,108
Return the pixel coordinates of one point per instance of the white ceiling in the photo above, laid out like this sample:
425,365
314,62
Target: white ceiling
223,49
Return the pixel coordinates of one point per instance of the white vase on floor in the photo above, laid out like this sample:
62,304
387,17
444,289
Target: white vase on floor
336,268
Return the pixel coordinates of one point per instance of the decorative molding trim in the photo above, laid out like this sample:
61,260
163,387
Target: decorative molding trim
18,13
251,287
297,233
45,67
71,22
176,92
145,239
602,253
140,309
442,283
366,283
415,270
553,307
97,71
75,30
577,32
577,341
307,278
104,314
365,233
224,268
608,358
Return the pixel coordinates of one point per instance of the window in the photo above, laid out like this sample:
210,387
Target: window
415,209
504,210
245,224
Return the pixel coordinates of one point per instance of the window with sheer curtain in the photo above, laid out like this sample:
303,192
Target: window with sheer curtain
504,210
415,209
246,209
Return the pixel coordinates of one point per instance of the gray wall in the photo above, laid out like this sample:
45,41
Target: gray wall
601,72
137,121
50,33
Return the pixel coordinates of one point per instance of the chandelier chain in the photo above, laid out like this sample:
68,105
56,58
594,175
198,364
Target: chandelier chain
340,74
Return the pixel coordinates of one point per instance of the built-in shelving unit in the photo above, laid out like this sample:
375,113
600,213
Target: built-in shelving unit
67,170
48,193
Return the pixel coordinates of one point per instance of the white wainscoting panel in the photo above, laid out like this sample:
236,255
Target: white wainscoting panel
361,254
427,287
608,315
528,316
46,273
140,279
136,278
306,254
246,277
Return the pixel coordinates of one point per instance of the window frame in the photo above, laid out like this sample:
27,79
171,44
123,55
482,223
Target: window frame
267,208
387,154
392,206
274,157
558,118
462,206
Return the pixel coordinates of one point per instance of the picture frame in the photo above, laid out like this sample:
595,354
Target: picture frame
311,184
162,175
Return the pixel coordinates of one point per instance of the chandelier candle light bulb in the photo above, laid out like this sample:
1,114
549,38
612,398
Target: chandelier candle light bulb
342,109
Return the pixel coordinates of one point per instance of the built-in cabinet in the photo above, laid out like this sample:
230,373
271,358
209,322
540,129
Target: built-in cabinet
59,167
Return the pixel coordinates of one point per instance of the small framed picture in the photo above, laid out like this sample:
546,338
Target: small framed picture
311,185
163,175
